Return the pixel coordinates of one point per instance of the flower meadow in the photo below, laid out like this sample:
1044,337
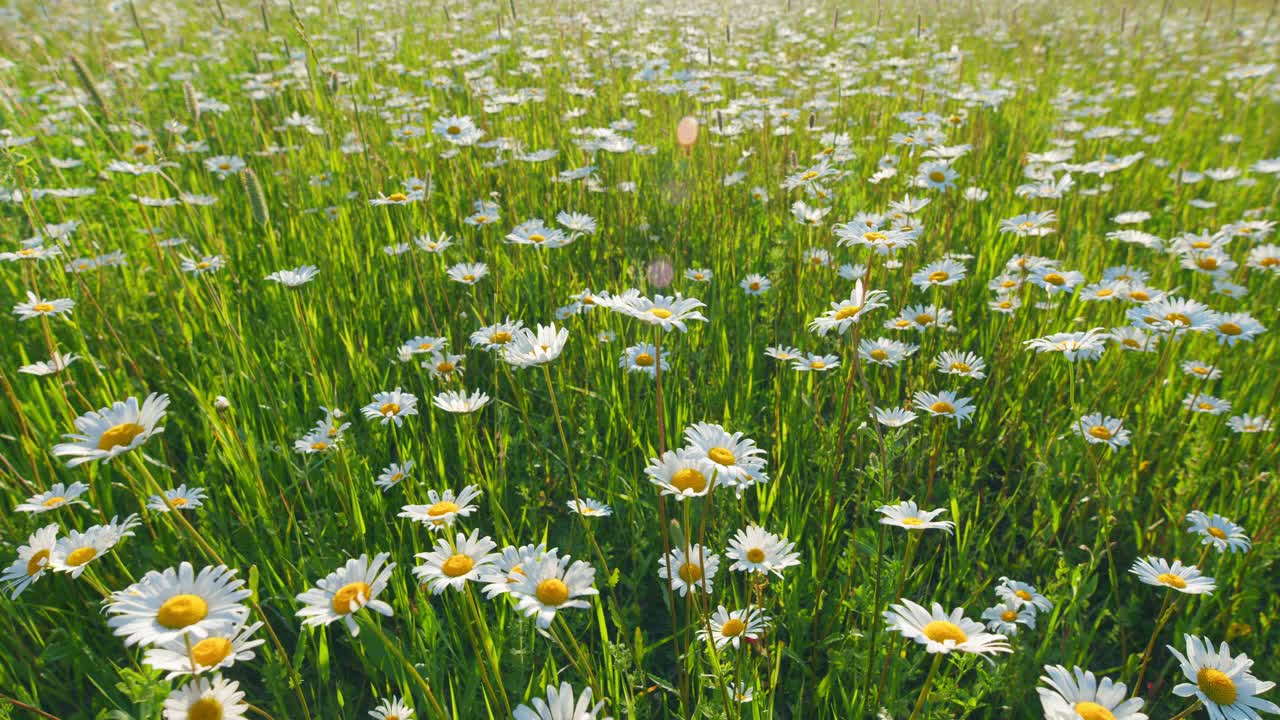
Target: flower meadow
569,361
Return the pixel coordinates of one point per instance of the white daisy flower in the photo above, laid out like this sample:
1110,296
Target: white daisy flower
391,406
535,347
73,553
561,704
459,402
1022,594
111,431
300,275
588,507
1219,532
1222,681
737,459
393,475
59,495
732,627
941,632
508,568
392,709
32,560
682,473
1183,578
1078,695
846,313
1097,428
468,558
181,498
756,550
343,592
909,516
444,507
551,584
35,307
206,699
216,651
1005,617
176,604
683,570
945,404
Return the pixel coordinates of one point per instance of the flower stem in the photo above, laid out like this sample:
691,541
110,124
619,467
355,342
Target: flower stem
924,691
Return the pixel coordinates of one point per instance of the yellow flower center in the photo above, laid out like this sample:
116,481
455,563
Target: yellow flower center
80,556
469,277
1230,328
1105,292
938,276
37,562
1269,261
350,597
457,565
817,364
206,708
1093,711
1173,581
389,409
182,610
733,627
847,312
722,456
1207,263
1004,304
178,502
942,630
43,307
878,354
644,359
397,197
54,501
552,592
689,479
319,445
121,434
211,651
501,337
1101,432
961,367
809,175
1205,406
912,521
1179,318
1201,245
690,572
1023,595
1009,615
924,319
1216,533
937,176
874,236
445,367
660,313
1216,686
453,130
537,238
444,507
224,166
1055,279
1139,295
942,407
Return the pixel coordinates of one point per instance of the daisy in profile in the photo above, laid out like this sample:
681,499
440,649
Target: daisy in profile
846,313
391,406
964,364
643,358
176,604
1222,681
588,507
814,362
206,699
909,516
941,632
1232,328
221,649
392,709
756,550
1078,695
686,570
1006,617
738,461
1198,402
300,275
945,404
393,475
1096,428
467,273
530,347
35,307
494,337
509,568
698,275
1248,424
885,351
552,584
894,417
682,473
940,273
1218,532
732,627
445,366
459,402
444,507
181,498
1023,595
341,593
1088,345
59,495
206,264
666,312
32,560
561,704
1183,578
755,284
111,431
783,353
453,565
54,365
73,553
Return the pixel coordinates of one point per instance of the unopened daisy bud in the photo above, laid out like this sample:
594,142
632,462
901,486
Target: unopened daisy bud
221,403
193,104
257,199
677,534
86,80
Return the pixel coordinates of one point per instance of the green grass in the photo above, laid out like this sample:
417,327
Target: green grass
1030,500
